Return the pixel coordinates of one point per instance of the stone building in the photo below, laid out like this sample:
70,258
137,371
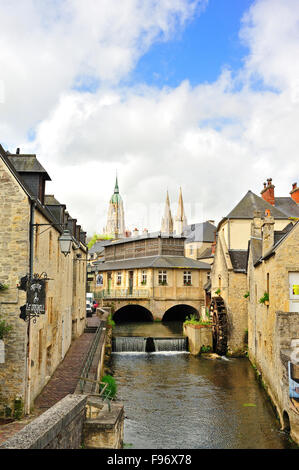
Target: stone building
149,274
228,274
31,224
199,240
273,314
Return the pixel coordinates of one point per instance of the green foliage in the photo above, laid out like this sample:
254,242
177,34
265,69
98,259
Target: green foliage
110,322
265,298
18,408
95,237
157,320
3,286
193,320
5,329
247,295
205,349
110,391
217,292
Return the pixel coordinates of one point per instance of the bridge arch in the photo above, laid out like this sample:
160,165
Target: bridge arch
132,313
179,312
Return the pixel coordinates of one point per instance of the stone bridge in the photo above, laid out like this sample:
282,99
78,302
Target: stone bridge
141,307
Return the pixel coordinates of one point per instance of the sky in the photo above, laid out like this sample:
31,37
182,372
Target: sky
197,94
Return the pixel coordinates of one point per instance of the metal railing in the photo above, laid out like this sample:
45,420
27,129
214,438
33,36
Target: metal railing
122,294
90,356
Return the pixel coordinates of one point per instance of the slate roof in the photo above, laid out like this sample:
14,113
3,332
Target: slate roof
287,205
152,262
143,237
207,253
99,247
50,200
239,260
27,164
251,202
201,232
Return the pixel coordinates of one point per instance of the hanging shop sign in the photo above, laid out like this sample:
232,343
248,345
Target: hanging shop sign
36,297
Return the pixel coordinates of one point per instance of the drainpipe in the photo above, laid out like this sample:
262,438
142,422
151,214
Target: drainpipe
28,349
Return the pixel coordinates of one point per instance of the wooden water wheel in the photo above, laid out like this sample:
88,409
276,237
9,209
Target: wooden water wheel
219,326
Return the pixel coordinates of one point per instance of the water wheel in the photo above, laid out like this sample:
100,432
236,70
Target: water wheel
219,326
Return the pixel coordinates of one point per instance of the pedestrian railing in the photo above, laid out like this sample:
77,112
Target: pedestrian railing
90,355
122,294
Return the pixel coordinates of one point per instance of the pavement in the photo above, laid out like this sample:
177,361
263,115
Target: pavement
63,381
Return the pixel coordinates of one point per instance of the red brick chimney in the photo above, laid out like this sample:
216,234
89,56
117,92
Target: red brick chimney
268,192
295,193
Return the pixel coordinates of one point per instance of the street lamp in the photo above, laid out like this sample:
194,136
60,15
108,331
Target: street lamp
65,242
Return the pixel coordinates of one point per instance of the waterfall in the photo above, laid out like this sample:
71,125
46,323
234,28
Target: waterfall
128,344
141,344
170,344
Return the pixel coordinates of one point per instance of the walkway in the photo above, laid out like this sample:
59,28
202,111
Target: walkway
63,381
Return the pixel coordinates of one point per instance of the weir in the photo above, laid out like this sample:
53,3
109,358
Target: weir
149,344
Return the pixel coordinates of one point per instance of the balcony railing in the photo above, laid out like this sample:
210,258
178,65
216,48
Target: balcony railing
122,294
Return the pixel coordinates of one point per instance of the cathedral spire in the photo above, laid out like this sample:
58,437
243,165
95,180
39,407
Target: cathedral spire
180,220
167,221
115,221
116,189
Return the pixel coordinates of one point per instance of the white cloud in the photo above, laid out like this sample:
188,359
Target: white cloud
215,140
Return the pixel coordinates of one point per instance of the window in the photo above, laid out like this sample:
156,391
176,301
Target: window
143,278
191,250
118,279
187,278
162,278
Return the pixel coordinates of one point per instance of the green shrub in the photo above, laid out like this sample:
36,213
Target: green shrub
4,328
193,320
205,349
265,298
110,391
247,295
110,322
3,286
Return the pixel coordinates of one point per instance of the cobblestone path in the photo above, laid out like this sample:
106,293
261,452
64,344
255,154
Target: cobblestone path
63,381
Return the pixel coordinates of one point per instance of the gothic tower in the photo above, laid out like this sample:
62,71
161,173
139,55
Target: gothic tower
180,223
167,221
116,219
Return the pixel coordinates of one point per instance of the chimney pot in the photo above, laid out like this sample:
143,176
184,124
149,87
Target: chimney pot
268,192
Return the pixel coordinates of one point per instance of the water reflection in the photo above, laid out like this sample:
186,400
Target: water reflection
182,401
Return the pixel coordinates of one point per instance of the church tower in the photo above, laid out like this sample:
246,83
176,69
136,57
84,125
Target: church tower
180,223
167,221
116,219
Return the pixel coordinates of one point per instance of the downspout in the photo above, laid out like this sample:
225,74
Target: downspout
28,361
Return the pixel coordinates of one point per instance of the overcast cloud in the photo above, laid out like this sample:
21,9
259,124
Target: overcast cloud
216,140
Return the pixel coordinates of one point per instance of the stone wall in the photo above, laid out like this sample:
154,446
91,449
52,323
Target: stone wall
60,427
232,287
270,331
14,263
198,336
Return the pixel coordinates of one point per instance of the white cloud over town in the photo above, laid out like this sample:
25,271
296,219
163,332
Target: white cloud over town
216,140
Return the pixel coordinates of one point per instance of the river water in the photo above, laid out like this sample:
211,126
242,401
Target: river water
180,401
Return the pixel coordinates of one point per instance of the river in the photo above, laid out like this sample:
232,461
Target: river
180,401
